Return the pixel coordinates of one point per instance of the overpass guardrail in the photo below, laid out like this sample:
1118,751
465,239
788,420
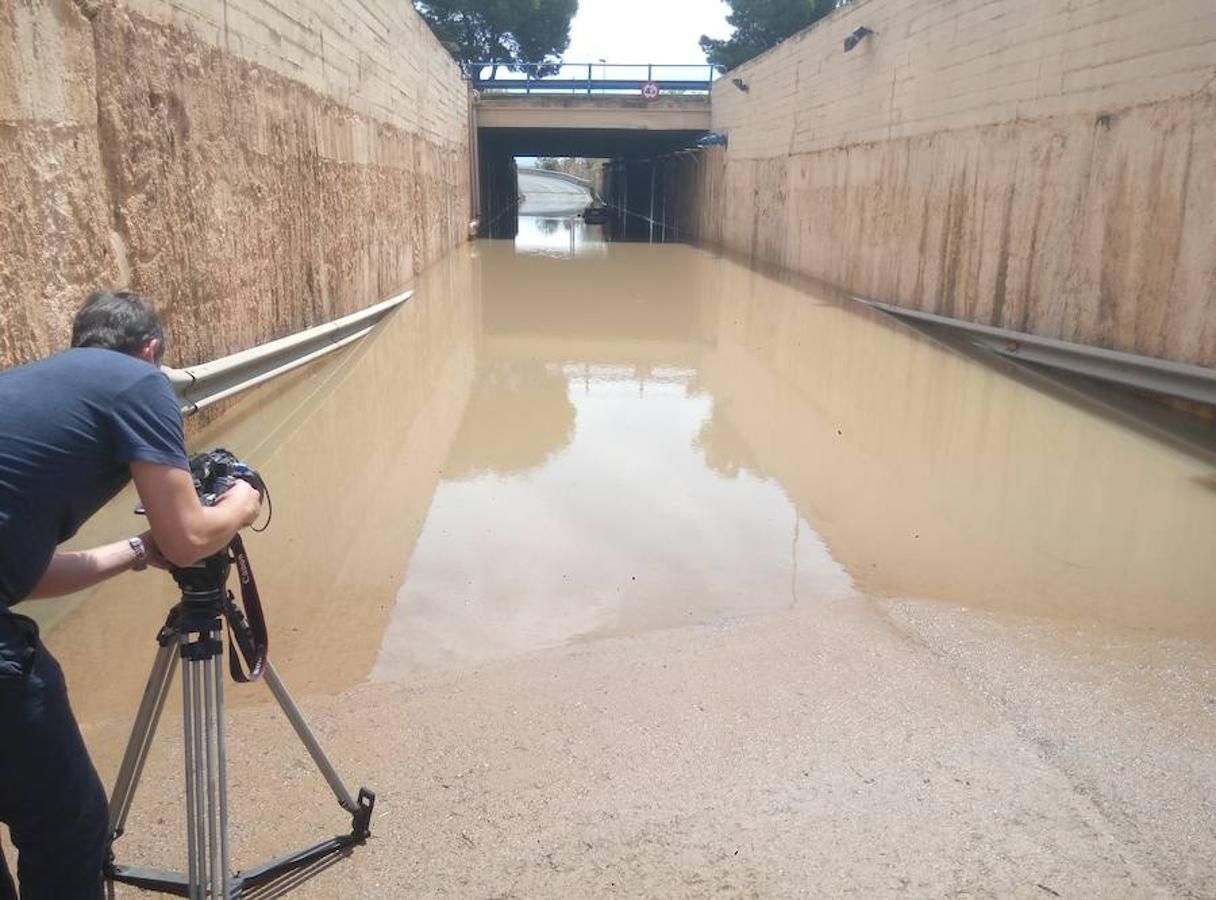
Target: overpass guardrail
592,78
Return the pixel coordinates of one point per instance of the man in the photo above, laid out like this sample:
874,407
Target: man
74,429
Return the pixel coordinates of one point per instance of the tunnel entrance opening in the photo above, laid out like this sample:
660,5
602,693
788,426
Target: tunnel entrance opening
558,187
560,210
623,174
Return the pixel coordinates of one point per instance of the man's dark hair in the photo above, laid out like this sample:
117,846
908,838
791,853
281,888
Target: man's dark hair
117,320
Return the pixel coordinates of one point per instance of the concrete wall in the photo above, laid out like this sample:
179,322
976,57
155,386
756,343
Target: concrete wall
1042,165
594,111
254,165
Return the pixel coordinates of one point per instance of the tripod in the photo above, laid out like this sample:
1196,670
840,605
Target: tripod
192,633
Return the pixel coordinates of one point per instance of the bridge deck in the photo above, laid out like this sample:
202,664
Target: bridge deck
606,111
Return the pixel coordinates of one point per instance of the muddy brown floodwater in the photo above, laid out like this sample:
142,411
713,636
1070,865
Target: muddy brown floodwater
625,569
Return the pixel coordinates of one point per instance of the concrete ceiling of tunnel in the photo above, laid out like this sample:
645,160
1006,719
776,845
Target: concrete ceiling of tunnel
589,143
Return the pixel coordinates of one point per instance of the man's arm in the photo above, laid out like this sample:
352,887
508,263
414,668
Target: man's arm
75,570
176,515
184,529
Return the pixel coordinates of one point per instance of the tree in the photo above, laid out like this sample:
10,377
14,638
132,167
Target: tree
514,32
759,24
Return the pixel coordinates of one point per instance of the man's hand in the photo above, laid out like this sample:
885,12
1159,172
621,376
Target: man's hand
245,498
156,559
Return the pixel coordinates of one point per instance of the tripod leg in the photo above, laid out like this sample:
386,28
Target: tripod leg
197,781
222,757
188,748
209,729
305,734
142,733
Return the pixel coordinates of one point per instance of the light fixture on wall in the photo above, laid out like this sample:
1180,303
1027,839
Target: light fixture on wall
855,38
740,84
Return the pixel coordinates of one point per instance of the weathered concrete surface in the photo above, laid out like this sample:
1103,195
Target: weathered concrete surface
254,167
584,111
1041,167
54,215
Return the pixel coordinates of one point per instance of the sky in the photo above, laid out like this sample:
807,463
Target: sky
644,31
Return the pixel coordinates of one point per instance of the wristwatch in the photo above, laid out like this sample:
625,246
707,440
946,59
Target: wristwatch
141,554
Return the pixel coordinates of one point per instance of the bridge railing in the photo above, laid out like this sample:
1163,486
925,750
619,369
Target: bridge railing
592,78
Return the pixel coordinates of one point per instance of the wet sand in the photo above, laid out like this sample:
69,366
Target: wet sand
835,750
622,569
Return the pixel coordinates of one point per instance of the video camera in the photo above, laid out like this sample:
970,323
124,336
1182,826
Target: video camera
215,471
204,583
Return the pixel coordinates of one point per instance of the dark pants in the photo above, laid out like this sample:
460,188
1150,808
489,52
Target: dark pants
50,795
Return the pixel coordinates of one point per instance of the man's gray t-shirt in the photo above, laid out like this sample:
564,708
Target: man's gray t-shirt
70,426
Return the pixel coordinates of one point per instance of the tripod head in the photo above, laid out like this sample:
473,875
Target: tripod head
204,584
206,599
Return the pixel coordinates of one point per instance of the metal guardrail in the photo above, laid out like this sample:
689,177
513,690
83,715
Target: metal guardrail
200,386
1160,376
592,78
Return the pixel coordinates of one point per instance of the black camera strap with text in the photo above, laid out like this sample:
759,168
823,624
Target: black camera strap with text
248,631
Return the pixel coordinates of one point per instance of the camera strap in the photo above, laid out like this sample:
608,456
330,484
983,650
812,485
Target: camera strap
248,632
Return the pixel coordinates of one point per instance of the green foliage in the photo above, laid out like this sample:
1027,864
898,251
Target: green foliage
759,24
511,31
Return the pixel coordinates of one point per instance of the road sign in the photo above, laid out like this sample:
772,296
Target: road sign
650,90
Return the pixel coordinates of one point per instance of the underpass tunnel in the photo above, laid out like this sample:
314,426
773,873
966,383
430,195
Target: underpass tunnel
636,185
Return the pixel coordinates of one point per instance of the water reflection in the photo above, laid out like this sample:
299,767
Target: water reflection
726,450
543,447
624,529
724,421
624,526
521,410
934,476
560,236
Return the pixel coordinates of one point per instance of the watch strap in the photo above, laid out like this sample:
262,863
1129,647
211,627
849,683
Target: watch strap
141,554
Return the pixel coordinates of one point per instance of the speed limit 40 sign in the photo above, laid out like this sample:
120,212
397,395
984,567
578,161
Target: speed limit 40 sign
650,90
